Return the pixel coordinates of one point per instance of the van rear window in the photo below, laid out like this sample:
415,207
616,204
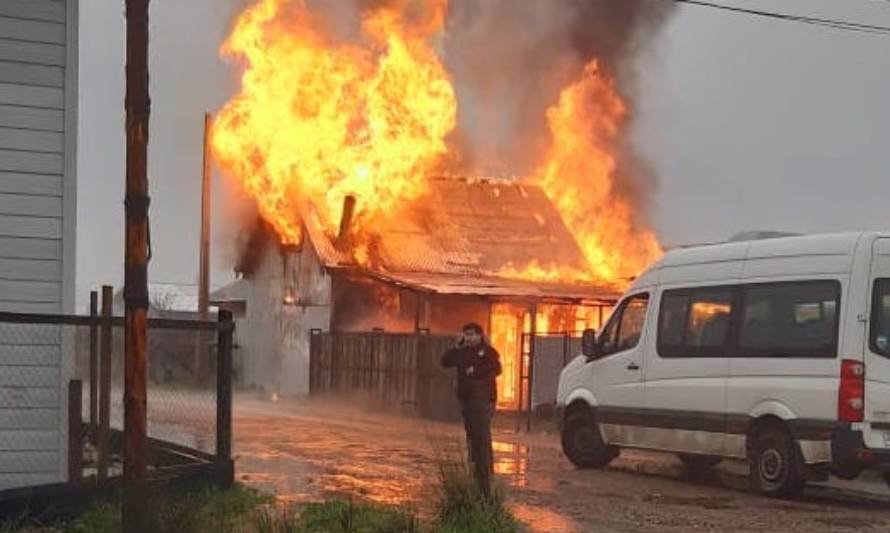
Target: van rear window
781,319
880,323
790,320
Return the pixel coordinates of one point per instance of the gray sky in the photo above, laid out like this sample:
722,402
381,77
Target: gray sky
748,123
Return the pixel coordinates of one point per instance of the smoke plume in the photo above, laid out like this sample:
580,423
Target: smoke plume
510,58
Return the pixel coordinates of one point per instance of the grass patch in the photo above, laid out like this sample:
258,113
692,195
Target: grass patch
338,516
461,507
203,511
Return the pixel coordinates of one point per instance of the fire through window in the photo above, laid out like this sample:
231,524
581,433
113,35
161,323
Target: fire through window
510,329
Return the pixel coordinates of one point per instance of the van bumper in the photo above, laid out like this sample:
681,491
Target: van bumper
850,455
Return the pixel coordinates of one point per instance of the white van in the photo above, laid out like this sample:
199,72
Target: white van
776,351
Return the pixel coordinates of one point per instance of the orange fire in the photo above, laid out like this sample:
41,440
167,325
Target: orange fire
579,175
318,119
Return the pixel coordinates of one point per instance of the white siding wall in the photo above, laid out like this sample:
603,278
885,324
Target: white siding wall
276,347
38,127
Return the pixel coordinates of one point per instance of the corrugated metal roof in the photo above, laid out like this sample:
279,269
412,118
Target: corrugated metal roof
233,292
459,237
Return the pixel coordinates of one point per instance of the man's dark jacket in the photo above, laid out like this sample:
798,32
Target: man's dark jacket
480,382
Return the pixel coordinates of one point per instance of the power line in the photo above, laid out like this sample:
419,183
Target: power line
816,21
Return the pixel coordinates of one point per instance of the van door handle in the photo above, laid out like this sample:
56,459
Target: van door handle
633,366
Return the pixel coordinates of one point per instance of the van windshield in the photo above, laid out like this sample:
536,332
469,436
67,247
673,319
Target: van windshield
880,324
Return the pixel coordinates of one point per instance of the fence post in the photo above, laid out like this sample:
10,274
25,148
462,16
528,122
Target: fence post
314,339
531,364
224,386
565,348
105,382
94,365
335,359
75,431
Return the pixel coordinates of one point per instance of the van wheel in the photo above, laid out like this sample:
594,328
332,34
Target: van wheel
776,467
583,444
698,464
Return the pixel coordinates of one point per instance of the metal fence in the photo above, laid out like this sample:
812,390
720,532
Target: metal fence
62,408
551,353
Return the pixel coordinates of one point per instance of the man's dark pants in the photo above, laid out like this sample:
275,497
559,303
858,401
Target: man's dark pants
477,412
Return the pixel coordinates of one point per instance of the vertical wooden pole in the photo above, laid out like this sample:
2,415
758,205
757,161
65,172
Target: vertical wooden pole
94,365
533,332
136,257
204,273
105,382
75,431
520,364
224,387
204,255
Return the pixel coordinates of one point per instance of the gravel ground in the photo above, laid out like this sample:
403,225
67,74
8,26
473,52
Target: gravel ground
304,451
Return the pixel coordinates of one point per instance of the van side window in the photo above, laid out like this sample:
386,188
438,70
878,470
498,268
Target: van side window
626,326
695,322
880,322
790,319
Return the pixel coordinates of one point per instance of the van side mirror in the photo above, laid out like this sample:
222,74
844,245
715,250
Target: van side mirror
589,345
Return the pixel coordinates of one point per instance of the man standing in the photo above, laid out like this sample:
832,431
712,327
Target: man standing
478,366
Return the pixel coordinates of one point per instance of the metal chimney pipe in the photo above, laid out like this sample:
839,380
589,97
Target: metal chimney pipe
346,218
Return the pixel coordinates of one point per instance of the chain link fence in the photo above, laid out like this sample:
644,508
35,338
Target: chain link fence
62,397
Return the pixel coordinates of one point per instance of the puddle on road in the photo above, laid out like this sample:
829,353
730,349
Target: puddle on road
511,462
543,519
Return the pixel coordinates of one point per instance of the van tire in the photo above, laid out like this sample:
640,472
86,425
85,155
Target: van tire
776,466
698,464
583,444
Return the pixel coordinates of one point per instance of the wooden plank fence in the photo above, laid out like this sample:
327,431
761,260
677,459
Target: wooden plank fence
398,370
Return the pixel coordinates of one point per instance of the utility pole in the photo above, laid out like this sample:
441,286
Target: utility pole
204,274
136,257
204,265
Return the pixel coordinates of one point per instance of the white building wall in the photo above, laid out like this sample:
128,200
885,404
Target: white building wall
276,347
38,131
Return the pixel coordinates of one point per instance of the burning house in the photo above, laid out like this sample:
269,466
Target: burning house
437,267
346,114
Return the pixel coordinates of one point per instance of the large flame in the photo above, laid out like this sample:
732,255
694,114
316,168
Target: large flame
318,119
579,175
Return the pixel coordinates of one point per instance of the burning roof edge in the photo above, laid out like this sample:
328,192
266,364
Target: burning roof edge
490,286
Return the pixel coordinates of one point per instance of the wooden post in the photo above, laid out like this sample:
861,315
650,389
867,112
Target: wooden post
204,272
94,365
224,387
204,255
75,431
105,382
136,257
533,309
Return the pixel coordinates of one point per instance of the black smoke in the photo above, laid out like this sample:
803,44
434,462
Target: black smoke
511,58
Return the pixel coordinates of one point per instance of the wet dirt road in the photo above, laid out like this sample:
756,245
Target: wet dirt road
304,451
